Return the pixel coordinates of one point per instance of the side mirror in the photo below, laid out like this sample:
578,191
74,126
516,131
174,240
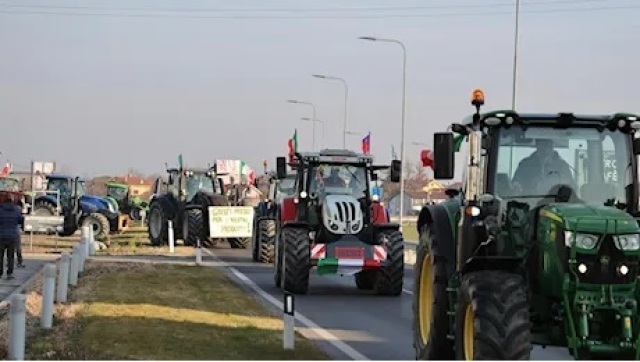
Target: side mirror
396,170
636,146
281,167
374,177
443,156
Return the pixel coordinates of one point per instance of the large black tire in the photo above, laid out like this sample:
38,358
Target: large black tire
297,258
239,243
267,230
192,227
44,208
158,227
255,241
492,317
391,277
100,225
365,280
277,265
431,274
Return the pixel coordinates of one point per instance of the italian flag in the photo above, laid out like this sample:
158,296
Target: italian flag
245,170
345,266
293,143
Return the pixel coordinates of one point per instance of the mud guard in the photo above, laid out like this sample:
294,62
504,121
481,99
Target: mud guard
437,218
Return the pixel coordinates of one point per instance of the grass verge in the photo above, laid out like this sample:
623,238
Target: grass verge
131,311
409,231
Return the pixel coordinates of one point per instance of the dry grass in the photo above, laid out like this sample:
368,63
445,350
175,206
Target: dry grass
158,312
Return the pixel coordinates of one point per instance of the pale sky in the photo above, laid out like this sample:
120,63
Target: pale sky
213,85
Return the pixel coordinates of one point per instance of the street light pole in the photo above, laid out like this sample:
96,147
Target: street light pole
317,120
515,57
404,90
313,142
346,102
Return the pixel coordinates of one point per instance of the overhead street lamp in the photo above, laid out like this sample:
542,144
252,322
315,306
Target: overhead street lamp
317,120
404,89
346,102
313,142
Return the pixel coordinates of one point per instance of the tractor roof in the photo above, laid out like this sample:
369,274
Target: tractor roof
62,177
117,184
556,118
337,156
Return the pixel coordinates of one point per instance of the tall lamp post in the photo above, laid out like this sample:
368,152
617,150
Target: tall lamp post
346,102
515,57
313,142
404,89
317,120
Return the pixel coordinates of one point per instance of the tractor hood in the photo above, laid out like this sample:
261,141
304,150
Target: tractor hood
591,218
95,203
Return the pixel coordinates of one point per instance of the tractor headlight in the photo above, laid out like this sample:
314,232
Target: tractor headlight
580,240
627,242
303,194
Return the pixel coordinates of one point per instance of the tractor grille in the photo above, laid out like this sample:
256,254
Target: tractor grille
346,211
602,268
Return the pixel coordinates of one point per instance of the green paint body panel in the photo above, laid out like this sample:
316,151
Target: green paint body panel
125,205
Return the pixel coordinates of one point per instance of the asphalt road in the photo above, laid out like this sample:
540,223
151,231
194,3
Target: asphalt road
379,328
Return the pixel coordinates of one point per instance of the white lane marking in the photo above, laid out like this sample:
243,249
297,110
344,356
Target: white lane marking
323,333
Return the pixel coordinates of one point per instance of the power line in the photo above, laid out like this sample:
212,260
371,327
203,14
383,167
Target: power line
341,9
387,16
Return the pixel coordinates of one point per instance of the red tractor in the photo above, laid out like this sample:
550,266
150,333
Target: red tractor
11,187
333,223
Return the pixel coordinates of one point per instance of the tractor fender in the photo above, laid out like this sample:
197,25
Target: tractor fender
168,207
47,198
294,223
287,209
194,207
110,215
438,219
386,226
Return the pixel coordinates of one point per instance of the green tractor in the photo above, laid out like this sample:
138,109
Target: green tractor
120,194
540,246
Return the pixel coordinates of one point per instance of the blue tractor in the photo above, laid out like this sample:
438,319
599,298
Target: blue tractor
78,208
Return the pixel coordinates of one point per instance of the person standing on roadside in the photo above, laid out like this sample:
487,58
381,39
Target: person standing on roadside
11,219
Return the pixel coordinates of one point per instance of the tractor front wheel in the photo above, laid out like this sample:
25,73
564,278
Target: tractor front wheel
492,317
192,227
431,274
100,225
158,227
390,277
297,260
267,230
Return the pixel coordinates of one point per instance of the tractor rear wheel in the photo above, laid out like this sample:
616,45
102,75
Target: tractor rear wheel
100,225
267,229
492,317
158,228
255,242
431,275
365,280
192,227
278,262
297,259
239,243
390,277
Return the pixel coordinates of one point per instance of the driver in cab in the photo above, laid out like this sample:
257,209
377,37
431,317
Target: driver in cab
334,179
543,169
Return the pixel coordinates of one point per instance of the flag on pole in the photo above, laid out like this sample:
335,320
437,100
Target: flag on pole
366,144
457,142
6,170
427,158
293,145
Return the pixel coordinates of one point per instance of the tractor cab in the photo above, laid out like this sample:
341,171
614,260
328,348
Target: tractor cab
546,220
12,186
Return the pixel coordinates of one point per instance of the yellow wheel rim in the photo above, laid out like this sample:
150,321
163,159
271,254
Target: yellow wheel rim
468,334
425,298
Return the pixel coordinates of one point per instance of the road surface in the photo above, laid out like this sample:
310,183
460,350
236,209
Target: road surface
379,328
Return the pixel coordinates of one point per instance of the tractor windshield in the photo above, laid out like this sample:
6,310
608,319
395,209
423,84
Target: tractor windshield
118,193
9,184
286,186
199,182
535,162
339,179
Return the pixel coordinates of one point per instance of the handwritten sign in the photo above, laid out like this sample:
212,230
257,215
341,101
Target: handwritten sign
230,221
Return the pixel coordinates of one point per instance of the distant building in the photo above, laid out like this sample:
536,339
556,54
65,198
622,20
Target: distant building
139,186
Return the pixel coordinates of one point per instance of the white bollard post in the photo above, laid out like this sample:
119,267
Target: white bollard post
82,252
73,267
143,215
289,337
198,252
48,294
92,243
85,238
17,332
171,241
63,278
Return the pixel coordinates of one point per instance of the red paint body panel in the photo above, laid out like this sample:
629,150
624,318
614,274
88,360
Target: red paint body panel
378,214
287,209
